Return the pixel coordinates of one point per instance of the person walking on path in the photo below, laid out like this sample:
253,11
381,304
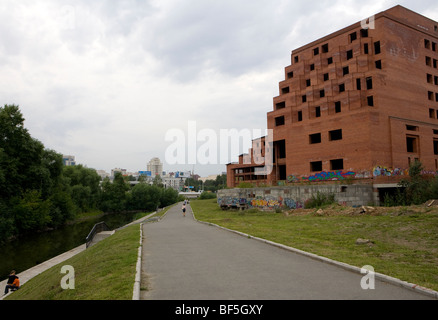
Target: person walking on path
184,209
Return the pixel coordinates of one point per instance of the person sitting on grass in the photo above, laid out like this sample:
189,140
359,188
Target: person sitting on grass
13,282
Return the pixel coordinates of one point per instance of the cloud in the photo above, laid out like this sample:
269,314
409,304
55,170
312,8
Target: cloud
104,80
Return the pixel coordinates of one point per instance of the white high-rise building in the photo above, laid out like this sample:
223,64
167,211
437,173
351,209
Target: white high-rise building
155,166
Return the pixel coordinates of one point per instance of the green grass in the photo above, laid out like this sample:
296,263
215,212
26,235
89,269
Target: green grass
405,240
105,271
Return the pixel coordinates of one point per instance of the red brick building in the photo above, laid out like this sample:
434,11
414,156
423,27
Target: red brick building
358,104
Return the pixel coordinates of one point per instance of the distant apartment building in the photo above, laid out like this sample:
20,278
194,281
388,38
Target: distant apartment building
68,160
155,166
360,103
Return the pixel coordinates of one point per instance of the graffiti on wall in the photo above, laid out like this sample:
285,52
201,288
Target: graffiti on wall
325,176
262,203
378,171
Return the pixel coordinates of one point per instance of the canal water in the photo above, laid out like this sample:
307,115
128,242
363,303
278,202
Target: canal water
32,249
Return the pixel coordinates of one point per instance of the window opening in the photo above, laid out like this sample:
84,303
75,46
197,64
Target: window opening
337,164
377,48
369,82
335,135
279,121
315,138
316,166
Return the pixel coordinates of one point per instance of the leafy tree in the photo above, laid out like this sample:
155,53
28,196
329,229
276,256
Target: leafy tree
85,187
169,196
114,195
145,197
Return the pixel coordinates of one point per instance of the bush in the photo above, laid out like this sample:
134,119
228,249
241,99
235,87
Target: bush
319,200
207,195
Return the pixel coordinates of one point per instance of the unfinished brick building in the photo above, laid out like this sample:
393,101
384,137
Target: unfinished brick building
356,104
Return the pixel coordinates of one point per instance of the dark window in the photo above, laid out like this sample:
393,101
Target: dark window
364,33
345,70
315,138
337,164
282,172
358,84
370,101
379,64
341,87
321,93
308,83
304,98
430,95
435,80
338,106
411,144
353,36
326,76
429,78
435,147
312,67
411,128
366,49
290,75
432,113
325,48
349,54
429,61
300,116
369,82
377,48
285,90
316,166
330,60
279,121
280,105
335,135
315,51
296,59
426,44
318,112
281,147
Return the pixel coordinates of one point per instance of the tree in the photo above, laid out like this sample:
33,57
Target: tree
114,195
145,197
85,187
30,178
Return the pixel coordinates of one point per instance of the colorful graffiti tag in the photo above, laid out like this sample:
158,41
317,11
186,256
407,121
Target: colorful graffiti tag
378,171
332,175
270,203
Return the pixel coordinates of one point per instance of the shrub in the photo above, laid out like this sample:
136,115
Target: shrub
319,200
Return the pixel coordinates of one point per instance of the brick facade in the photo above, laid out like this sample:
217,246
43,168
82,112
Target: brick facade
359,104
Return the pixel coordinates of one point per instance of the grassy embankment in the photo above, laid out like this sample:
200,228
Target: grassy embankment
105,271
404,240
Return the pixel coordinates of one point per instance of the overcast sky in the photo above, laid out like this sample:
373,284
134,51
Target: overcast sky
105,80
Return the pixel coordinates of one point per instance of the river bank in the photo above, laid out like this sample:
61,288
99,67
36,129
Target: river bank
27,251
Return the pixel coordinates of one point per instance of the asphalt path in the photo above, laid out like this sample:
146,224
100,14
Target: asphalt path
183,259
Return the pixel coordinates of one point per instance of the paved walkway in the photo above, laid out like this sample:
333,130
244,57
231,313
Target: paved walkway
186,260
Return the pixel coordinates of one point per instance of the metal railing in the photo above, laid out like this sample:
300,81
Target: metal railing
98,227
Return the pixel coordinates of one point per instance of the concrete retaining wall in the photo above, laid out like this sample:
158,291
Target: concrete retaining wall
294,197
